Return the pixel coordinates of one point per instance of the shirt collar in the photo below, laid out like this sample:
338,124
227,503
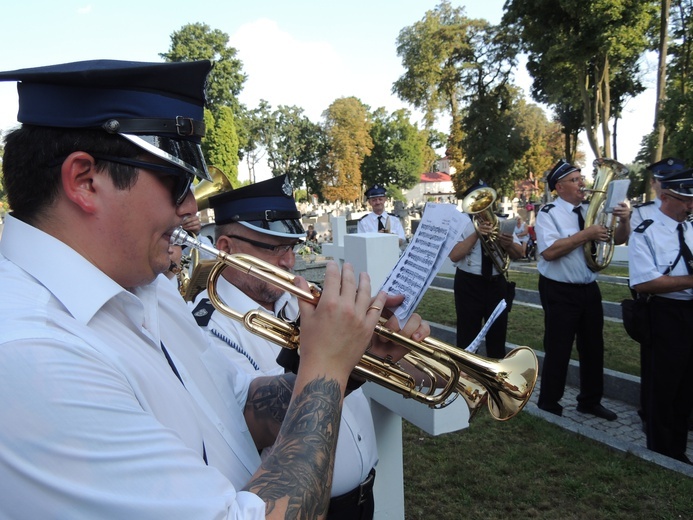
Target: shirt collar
79,285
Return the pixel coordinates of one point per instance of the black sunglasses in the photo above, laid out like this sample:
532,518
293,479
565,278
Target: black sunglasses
276,250
183,179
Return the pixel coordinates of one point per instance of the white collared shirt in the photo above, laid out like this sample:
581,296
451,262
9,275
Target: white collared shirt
369,224
95,423
356,450
472,262
653,251
553,224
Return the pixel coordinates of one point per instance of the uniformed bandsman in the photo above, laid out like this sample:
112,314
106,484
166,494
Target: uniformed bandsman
378,220
661,267
569,292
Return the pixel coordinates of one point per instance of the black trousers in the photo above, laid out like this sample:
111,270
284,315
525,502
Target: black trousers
475,299
572,313
671,363
357,504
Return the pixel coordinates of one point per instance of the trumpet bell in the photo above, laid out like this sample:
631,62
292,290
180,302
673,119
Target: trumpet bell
206,189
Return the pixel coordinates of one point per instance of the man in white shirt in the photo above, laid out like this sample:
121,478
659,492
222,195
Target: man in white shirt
262,220
379,221
115,406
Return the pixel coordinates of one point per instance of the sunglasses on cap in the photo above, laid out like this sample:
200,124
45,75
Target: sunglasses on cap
183,179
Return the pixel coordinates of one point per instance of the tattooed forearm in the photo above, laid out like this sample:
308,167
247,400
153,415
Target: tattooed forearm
298,469
269,398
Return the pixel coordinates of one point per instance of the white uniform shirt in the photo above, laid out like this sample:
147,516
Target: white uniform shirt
472,262
95,423
652,253
643,212
560,222
356,445
369,224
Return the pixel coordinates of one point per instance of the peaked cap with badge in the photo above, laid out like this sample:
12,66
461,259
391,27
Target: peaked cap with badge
375,191
266,207
157,106
680,182
560,170
666,166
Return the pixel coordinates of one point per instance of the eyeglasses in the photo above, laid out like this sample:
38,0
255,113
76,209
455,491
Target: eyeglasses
573,180
183,180
274,249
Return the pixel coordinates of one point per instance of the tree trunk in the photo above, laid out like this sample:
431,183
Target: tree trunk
661,90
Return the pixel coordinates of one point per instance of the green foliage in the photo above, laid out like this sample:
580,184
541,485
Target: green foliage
578,50
294,146
397,157
220,144
198,41
347,128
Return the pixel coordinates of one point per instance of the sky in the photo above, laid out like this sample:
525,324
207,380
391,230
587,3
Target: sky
305,53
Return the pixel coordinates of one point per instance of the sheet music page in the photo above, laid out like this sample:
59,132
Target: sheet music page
615,193
435,237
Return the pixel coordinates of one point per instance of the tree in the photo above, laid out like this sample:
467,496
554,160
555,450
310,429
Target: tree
347,126
294,146
258,124
397,157
220,145
199,42
579,47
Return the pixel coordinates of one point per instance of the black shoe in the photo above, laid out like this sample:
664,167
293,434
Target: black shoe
555,409
599,411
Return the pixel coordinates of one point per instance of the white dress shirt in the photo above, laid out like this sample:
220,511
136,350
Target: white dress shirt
95,424
472,262
369,224
560,222
643,212
356,450
653,252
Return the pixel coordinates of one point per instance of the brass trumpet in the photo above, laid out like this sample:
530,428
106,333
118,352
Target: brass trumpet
505,385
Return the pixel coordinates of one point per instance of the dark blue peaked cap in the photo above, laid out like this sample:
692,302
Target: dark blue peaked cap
478,184
375,191
266,207
680,182
662,168
157,106
560,170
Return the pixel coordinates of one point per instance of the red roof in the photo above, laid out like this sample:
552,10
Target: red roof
435,177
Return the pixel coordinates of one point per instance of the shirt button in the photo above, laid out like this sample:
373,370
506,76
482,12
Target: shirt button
359,437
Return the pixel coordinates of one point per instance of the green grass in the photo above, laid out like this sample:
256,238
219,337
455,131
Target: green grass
527,467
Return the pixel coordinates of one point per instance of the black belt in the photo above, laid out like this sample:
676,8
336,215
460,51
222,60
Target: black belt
493,278
357,496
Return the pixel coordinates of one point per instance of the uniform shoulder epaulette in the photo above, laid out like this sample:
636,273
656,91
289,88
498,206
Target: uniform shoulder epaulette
203,312
548,207
364,217
643,204
392,214
643,226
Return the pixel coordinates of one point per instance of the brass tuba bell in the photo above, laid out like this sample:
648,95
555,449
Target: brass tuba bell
192,277
479,203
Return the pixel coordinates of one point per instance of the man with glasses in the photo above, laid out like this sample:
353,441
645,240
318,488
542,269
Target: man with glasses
114,403
569,292
262,220
661,268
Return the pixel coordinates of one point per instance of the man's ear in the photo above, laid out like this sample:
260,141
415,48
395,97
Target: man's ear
78,173
224,244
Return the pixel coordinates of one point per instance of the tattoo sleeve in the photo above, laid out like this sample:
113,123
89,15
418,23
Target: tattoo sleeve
298,469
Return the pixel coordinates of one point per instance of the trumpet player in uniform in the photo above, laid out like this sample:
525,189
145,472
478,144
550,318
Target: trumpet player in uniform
569,292
378,220
262,220
480,280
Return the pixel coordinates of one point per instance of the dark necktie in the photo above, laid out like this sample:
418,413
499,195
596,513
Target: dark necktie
581,221
685,251
175,371
380,223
